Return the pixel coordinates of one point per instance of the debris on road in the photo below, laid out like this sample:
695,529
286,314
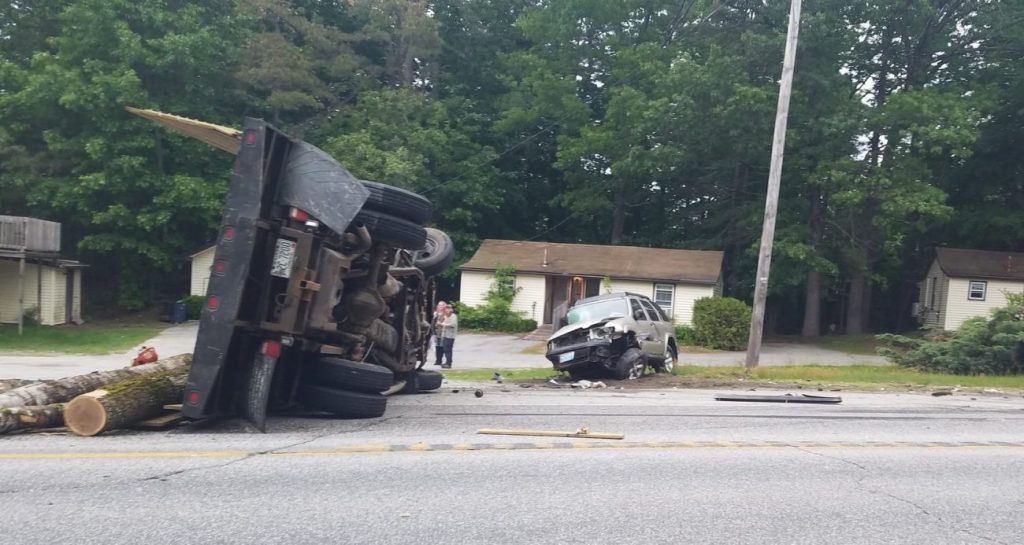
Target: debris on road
582,432
586,384
479,393
940,393
788,398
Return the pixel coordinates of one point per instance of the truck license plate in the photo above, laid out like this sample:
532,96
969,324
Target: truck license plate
562,358
284,258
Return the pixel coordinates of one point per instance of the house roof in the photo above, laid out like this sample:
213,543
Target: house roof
204,249
981,263
623,262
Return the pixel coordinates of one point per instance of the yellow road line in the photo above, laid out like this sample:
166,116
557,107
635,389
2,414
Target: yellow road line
481,447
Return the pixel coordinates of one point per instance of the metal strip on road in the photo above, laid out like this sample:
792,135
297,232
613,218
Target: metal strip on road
487,447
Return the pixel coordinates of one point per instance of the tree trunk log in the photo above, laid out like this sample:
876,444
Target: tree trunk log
855,308
26,418
124,403
63,390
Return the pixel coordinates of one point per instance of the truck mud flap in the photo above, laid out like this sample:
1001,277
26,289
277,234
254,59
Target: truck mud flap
313,181
256,391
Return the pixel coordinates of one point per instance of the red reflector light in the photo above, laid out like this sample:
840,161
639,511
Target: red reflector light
298,215
219,268
213,302
193,398
250,138
229,234
271,349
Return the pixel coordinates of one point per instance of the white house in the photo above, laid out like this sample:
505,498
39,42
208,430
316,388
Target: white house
33,278
202,264
551,276
962,284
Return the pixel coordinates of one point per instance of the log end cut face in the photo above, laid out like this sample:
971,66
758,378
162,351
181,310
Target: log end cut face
85,415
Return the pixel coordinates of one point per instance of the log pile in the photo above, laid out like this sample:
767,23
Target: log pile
96,402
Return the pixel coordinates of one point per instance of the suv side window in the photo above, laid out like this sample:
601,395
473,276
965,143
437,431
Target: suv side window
654,311
638,311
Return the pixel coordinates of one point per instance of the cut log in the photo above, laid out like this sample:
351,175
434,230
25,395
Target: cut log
64,389
29,418
124,403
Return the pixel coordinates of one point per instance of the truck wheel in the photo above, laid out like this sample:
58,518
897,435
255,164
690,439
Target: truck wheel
412,384
343,402
392,230
429,380
631,365
349,375
437,255
398,202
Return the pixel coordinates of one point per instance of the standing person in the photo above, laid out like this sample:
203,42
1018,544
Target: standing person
449,329
435,325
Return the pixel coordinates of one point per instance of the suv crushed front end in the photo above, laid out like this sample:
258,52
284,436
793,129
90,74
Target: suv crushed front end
579,346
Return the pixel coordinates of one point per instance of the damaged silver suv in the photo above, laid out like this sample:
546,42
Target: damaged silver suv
620,333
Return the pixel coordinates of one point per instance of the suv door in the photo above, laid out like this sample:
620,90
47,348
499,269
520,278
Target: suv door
663,329
647,333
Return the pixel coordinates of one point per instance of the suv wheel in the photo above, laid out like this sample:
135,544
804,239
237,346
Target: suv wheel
668,362
631,365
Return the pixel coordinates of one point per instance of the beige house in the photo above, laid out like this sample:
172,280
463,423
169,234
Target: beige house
550,276
202,264
962,284
33,278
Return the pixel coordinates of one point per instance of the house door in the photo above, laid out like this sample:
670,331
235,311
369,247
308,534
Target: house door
577,289
556,293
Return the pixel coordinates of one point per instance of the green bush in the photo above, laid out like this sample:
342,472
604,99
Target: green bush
722,323
494,317
686,336
193,306
981,346
496,314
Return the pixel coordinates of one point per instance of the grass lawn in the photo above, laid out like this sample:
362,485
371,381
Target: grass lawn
871,377
95,338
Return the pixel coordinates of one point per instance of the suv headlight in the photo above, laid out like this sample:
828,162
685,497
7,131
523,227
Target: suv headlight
603,333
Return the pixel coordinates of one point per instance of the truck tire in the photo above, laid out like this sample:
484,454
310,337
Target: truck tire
398,202
437,255
343,402
348,375
392,230
631,365
429,380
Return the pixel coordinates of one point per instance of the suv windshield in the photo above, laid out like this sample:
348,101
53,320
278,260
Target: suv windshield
609,308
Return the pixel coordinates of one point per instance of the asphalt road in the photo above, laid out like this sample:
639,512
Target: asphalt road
876,469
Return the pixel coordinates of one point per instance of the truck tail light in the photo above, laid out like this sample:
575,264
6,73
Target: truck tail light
213,302
193,397
271,349
298,215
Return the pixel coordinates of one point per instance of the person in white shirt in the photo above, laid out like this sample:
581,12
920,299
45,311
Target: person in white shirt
449,329
435,325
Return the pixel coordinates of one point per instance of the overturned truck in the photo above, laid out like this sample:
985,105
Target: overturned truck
320,288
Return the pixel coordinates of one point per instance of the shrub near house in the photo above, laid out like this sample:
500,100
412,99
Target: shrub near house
981,346
496,313
722,323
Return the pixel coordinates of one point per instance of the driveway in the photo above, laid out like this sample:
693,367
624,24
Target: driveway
472,351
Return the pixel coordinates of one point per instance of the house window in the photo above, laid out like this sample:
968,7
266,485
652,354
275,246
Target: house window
976,290
663,294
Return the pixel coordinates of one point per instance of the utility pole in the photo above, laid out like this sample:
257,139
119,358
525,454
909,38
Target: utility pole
771,205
